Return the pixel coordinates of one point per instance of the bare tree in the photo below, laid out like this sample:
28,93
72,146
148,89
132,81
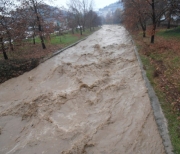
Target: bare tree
2,46
158,8
6,21
75,8
71,21
5,25
109,18
19,25
79,9
91,16
117,16
135,14
139,12
60,22
173,9
36,6
86,6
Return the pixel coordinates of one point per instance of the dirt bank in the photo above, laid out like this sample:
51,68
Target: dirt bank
89,99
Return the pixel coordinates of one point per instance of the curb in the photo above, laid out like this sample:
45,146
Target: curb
158,114
59,51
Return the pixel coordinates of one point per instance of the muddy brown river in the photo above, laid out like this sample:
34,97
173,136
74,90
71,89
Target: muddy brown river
90,99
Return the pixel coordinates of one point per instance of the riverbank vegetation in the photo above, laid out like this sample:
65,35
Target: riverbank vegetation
154,25
29,19
161,62
31,30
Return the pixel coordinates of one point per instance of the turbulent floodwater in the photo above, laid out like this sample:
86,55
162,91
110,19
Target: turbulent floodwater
89,99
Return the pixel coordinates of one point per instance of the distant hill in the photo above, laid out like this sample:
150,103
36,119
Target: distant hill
51,13
111,8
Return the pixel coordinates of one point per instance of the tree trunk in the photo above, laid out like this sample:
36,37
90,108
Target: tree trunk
144,30
42,42
3,49
152,39
169,23
39,26
10,43
34,41
80,30
153,33
11,46
9,38
143,26
169,19
72,30
5,55
154,22
144,33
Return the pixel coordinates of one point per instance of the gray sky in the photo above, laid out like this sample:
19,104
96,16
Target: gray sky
97,3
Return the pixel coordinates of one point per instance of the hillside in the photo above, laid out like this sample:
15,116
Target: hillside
110,8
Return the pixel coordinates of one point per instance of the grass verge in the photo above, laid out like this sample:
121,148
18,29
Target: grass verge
170,33
162,64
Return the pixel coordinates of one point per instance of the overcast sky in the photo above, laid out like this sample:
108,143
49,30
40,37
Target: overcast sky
97,3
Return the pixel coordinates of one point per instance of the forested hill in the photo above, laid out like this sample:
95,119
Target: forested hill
112,7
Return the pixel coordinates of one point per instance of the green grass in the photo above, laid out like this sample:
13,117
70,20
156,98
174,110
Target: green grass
170,59
1,56
173,123
148,67
65,39
55,39
175,62
173,126
170,33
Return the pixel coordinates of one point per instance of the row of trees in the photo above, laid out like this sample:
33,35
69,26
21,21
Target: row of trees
81,13
149,12
15,19
31,18
113,17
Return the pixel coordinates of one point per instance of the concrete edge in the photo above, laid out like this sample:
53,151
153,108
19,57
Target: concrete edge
157,110
61,50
